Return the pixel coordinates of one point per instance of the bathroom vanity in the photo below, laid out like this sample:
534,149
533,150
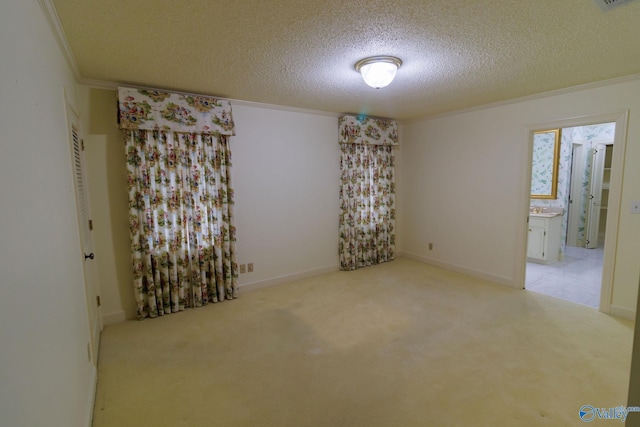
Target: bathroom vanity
543,244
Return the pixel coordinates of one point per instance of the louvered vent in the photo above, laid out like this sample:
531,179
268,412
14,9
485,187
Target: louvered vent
83,206
610,4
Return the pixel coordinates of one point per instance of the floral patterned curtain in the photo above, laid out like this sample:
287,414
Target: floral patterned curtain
367,191
180,200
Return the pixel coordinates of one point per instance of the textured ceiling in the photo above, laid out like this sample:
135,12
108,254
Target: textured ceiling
456,54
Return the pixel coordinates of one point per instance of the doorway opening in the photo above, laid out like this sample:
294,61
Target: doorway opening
573,226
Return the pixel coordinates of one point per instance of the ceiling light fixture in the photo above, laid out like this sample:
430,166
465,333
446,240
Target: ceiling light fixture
378,71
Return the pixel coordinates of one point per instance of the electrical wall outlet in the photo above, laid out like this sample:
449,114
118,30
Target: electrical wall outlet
243,268
250,267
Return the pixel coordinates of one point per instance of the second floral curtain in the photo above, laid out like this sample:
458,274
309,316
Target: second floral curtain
367,191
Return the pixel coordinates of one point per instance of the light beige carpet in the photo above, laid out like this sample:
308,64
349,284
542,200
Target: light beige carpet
398,344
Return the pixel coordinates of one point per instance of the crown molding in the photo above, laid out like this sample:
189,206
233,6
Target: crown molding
541,95
284,108
100,84
50,13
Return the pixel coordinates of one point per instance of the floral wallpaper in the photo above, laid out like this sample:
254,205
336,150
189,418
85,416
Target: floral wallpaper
158,110
542,163
585,135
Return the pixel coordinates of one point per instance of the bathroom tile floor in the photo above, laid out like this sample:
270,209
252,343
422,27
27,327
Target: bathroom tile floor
577,278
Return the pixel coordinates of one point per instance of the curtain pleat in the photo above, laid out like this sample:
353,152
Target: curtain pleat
181,220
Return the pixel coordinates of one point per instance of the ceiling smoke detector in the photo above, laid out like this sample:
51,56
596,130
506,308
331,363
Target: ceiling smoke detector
609,4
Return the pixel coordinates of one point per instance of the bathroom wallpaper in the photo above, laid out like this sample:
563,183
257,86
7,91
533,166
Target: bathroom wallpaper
579,135
542,161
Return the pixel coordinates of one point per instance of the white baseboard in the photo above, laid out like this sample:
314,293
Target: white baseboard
116,317
624,313
267,283
501,280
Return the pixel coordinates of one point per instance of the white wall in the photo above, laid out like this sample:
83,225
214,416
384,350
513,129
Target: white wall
285,175
286,171
463,176
46,378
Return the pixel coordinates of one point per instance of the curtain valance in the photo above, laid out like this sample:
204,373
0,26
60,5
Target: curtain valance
159,110
367,130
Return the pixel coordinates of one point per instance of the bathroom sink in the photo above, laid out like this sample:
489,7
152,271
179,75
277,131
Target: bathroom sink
545,211
544,214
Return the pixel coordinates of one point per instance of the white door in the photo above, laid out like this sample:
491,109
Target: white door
575,196
595,195
85,225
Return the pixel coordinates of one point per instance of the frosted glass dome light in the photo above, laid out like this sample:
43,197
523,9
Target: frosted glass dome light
378,71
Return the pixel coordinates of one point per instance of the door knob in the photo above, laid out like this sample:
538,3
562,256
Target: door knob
90,256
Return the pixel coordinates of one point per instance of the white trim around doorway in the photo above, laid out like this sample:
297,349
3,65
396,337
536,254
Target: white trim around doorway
615,195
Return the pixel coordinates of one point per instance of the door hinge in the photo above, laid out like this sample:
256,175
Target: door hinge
545,233
91,225
98,300
82,144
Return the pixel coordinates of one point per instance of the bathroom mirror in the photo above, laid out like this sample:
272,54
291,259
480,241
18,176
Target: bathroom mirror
544,167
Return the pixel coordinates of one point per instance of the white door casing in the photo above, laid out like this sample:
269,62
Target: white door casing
621,119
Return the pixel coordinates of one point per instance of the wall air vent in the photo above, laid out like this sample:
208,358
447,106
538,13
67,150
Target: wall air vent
610,4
